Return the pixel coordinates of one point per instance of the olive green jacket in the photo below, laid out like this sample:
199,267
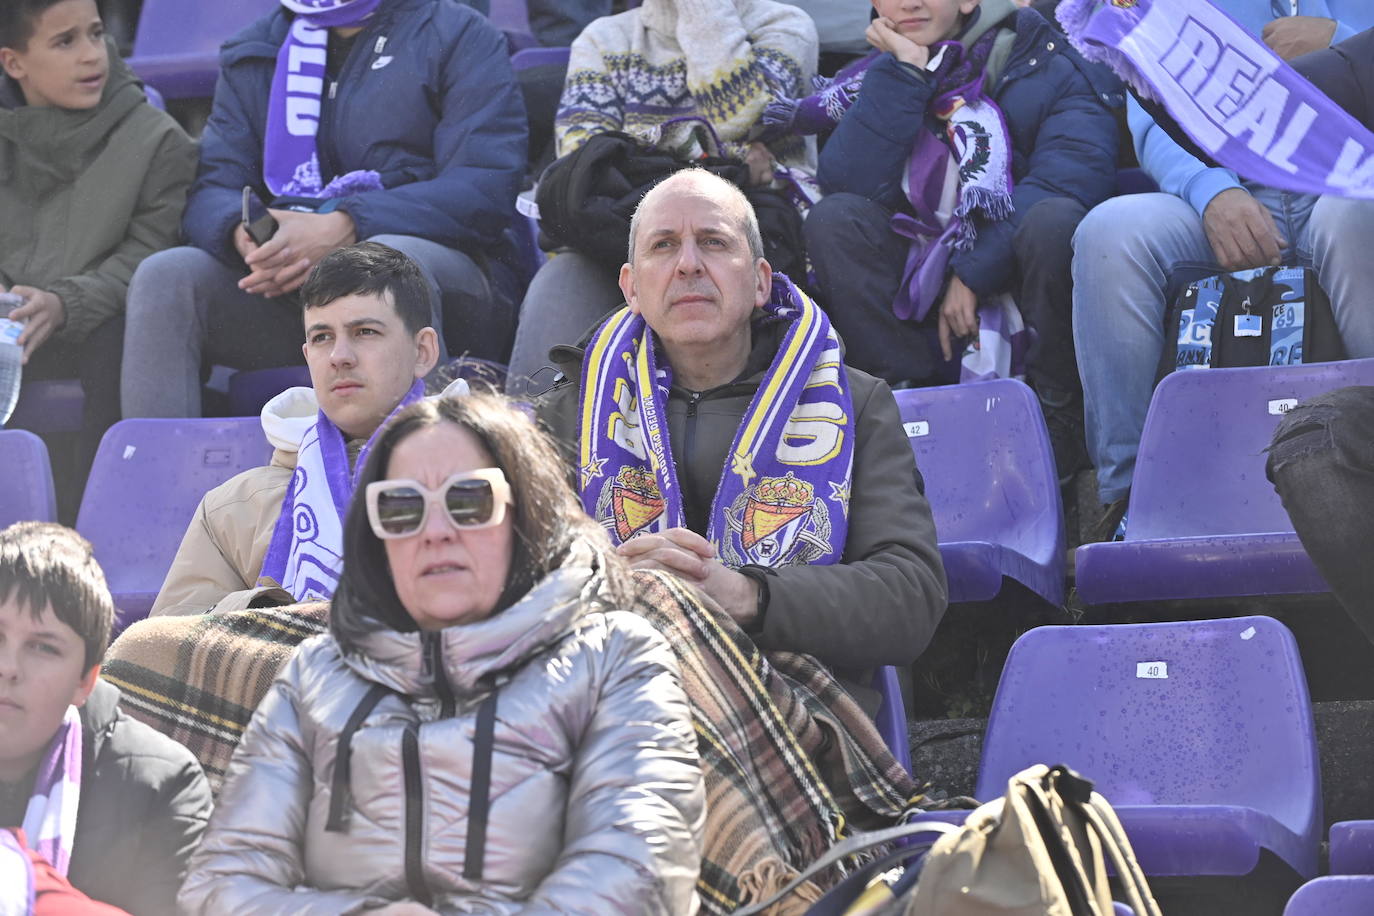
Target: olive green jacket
87,195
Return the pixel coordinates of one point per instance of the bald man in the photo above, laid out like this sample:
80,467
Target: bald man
756,465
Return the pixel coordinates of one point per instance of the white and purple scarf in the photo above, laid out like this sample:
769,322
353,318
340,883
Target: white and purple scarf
291,162
305,556
50,820
1239,101
783,497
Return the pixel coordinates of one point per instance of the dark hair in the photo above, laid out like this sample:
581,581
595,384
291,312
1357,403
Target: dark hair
45,565
371,269
18,18
547,515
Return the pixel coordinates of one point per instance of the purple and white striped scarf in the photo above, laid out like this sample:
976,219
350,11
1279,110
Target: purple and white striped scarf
290,159
50,820
783,497
305,556
1244,106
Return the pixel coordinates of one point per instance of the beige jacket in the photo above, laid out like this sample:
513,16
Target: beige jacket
216,567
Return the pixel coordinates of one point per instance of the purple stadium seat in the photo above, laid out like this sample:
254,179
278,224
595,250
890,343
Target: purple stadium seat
147,480
49,406
249,389
1199,733
892,715
512,17
176,48
1352,848
26,488
1338,895
529,58
1203,521
985,456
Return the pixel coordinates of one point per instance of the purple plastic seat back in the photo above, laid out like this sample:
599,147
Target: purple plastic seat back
1204,522
49,406
1199,713
985,455
250,389
147,479
529,58
1200,470
1352,848
891,716
26,487
1336,895
512,17
176,48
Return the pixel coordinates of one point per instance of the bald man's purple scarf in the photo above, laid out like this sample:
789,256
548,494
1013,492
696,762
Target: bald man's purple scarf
1234,97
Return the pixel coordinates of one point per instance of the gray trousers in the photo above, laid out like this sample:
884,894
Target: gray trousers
568,295
185,309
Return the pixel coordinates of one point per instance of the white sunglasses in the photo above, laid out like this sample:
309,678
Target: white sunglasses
470,499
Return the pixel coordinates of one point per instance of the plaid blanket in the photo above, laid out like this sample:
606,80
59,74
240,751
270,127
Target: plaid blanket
791,762
198,679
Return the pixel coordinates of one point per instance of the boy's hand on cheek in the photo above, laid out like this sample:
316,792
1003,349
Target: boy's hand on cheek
882,34
42,313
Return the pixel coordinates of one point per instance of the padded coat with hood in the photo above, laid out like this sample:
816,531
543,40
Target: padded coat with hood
426,98
1058,111
596,789
85,196
216,567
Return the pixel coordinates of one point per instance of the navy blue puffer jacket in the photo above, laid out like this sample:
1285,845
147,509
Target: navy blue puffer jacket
1058,109
426,97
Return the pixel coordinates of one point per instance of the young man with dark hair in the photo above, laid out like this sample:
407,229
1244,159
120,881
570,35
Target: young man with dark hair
112,805
368,345
93,181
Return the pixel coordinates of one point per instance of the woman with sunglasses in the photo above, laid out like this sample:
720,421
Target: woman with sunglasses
481,731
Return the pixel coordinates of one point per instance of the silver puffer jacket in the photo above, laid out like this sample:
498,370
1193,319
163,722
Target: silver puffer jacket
596,798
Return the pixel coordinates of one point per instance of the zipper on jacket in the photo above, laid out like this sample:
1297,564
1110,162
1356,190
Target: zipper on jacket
324,135
434,653
415,816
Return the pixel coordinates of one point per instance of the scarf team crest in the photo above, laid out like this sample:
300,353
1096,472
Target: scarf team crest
783,497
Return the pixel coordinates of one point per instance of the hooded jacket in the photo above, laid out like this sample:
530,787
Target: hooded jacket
87,195
426,97
217,564
881,603
1060,123
596,798
144,805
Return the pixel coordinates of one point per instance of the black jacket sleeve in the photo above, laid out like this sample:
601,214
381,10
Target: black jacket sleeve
880,605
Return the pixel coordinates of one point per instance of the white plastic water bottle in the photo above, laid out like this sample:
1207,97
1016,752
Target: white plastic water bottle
11,355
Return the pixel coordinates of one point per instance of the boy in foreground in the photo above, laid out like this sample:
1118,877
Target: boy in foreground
111,804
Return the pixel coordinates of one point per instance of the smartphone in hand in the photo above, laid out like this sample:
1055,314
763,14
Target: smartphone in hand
262,228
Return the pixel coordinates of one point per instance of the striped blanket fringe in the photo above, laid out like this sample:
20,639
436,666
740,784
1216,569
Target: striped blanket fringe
791,762
198,679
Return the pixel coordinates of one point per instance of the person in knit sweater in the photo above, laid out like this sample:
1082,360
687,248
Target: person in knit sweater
642,72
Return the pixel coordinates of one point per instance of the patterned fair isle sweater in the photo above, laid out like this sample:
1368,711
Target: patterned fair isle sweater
722,60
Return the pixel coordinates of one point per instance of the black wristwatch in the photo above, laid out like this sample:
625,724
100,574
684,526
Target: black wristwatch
759,574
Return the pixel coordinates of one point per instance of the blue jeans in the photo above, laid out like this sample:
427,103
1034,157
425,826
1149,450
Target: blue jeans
1134,254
